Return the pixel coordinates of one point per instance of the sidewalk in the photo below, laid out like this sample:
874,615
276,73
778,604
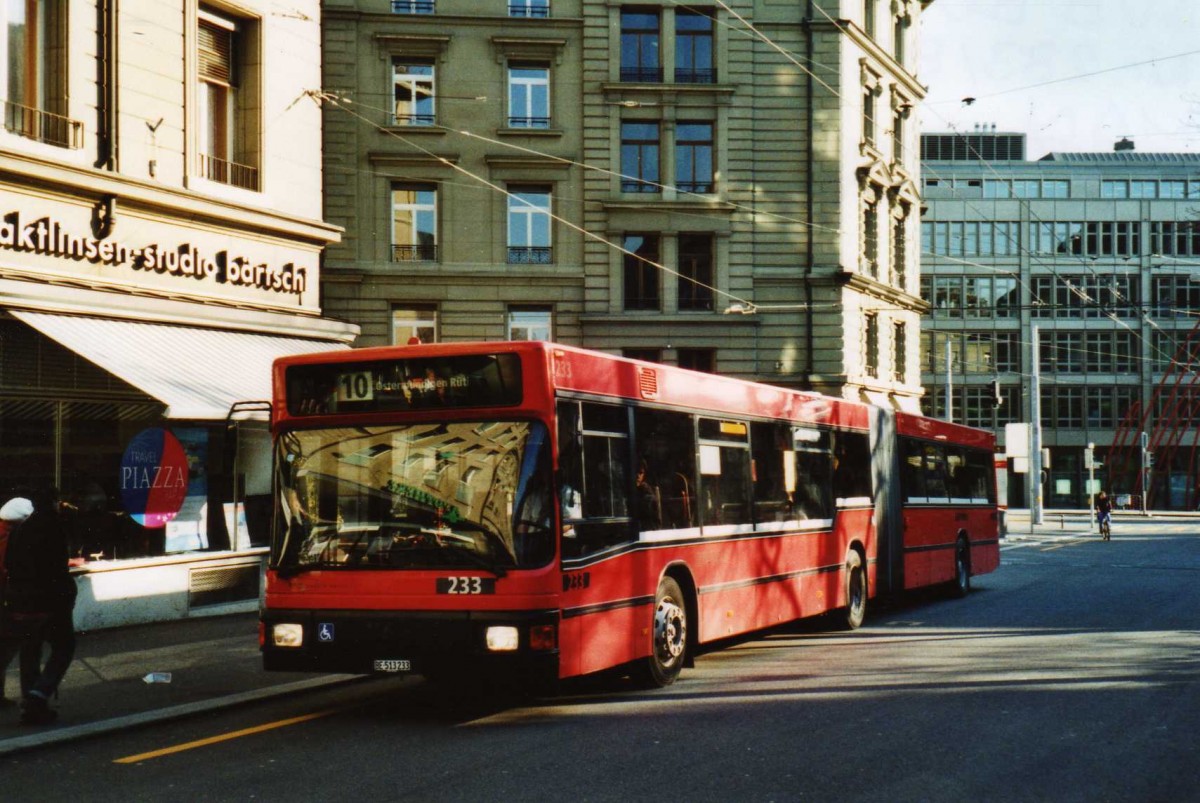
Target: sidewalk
214,663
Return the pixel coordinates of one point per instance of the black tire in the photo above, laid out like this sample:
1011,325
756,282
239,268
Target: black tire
669,640
855,612
960,586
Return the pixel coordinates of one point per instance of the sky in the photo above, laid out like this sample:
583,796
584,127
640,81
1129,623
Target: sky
996,51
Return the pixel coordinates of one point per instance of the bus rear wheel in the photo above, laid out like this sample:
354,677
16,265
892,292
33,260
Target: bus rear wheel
856,592
669,627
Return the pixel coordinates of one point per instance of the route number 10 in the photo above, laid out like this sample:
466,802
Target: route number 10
355,387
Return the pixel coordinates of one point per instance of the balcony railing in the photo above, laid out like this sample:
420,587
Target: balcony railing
528,122
413,119
692,75
641,75
412,6
695,187
631,185
232,173
530,255
528,10
421,252
43,126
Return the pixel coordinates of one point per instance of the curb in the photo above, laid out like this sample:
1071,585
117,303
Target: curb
83,731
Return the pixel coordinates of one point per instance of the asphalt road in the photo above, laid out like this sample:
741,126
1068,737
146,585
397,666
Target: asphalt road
1071,674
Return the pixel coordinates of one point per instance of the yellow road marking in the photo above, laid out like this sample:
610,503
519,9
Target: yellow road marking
225,737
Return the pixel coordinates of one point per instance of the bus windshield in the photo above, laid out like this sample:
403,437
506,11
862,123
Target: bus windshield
414,496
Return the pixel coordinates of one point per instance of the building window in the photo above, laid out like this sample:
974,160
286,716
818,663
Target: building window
695,288
228,108
412,6
899,352
414,90
697,359
645,355
899,37
35,72
868,16
418,323
1114,189
529,229
1143,189
870,238
868,115
642,274
1172,189
529,8
694,157
639,157
528,96
871,346
1056,188
694,47
898,135
414,222
530,323
640,46
900,249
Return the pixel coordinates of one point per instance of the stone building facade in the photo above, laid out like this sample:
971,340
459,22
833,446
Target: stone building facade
160,239
727,186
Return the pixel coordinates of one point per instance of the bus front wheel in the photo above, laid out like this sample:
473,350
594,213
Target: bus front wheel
856,592
669,627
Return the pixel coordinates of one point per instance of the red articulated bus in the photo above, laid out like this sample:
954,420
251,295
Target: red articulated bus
541,509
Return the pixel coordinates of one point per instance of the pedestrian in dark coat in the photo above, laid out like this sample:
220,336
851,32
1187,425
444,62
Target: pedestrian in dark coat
40,598
12,513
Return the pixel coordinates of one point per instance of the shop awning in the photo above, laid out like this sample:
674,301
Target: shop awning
198,373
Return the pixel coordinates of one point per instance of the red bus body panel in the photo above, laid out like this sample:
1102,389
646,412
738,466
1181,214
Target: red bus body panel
604,606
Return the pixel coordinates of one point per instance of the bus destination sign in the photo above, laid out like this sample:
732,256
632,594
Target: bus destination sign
485,380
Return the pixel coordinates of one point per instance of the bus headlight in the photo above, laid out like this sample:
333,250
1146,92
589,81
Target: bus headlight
287,634
502,638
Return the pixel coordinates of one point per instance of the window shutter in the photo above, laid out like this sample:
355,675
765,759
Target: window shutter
216,53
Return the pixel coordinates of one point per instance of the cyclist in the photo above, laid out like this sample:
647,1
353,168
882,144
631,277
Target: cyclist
1104,515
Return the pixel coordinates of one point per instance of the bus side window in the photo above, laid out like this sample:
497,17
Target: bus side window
851,465
667,448
935,471
724,472
774,481
594,476
912,477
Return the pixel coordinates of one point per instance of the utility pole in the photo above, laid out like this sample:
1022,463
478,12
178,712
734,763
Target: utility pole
1035,434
